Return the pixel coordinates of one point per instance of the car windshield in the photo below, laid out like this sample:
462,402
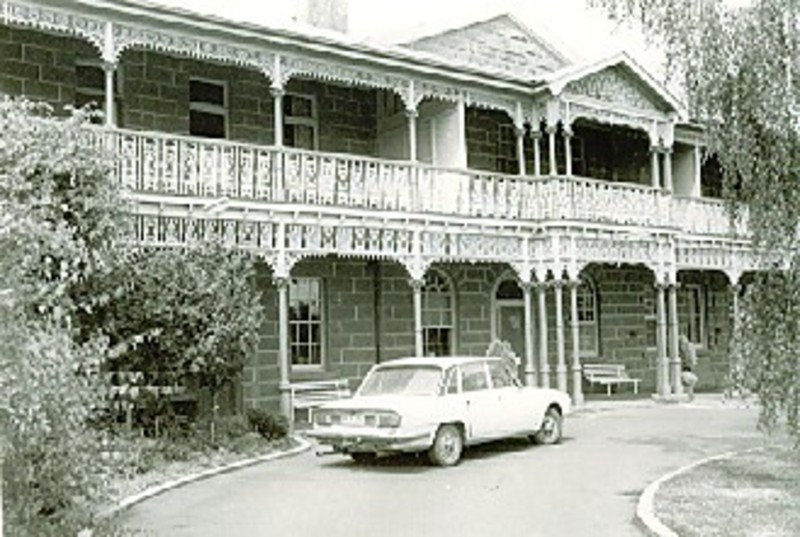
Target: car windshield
402,380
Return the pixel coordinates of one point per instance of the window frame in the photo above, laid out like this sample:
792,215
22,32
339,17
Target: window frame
320,323
451,311
313,121
208,108
584,285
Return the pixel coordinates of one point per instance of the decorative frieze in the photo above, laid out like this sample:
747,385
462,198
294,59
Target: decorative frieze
127,36
53,20
611,86
332,71
608,115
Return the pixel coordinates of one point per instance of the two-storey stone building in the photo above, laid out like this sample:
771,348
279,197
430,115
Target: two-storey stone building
420,199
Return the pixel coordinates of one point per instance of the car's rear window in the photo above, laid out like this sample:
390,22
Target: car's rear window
402,380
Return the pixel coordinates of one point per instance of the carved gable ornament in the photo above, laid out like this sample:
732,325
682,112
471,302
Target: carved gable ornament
614,85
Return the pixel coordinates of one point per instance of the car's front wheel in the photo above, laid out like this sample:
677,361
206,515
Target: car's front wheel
447,446
551,428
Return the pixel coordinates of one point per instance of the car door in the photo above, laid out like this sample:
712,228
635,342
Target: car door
510,412
482,403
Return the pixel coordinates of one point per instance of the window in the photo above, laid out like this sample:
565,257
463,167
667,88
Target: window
696,315
300,121
208,109
437,315
501,378
507,149
474,377
305,321
90,88
587,318
451,381
389,104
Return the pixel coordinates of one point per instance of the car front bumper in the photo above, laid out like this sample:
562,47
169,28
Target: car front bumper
361,440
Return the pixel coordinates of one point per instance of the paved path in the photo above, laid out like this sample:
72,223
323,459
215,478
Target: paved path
588,485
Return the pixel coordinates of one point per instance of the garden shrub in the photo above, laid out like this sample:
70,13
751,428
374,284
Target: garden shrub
268,424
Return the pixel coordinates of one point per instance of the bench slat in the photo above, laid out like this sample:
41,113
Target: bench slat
608,375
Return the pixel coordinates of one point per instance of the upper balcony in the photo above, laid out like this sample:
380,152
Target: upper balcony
154,166
199,110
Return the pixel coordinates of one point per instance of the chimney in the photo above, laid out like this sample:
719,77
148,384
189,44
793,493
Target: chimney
326,14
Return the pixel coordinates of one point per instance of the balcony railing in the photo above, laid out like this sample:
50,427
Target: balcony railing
180,165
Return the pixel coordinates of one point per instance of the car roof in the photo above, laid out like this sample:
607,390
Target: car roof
436,361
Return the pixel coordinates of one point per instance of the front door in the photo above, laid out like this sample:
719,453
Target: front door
511,328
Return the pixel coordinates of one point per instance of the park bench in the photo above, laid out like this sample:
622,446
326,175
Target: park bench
609,375
311,394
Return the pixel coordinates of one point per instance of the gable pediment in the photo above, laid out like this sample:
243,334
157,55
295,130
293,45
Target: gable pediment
501,45
617,85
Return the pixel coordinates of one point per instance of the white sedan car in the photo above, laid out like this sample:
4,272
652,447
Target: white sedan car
438,405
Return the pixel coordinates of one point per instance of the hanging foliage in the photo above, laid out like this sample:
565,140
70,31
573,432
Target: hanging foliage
739,66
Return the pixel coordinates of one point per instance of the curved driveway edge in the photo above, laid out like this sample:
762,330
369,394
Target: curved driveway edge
210,472
645,509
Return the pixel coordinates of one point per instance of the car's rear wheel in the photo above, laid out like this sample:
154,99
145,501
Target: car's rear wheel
447,446
551,428
363,457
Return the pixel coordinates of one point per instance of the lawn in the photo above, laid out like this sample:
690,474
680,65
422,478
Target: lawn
752,494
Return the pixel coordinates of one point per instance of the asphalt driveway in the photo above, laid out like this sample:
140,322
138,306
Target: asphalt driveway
587,485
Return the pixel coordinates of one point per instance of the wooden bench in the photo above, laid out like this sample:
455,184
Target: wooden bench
608,375
311,394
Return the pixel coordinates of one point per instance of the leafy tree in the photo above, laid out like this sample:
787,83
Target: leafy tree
57,214
740,68
189,314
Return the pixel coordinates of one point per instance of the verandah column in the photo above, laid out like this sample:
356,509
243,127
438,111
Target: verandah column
544,366
530,366
520,131
667,152
412,114
568,150
277,105
577,377
537,152
698,165
655,168
109,69
277,113
551,147
417,286
675,359
561,365
282,285
662,371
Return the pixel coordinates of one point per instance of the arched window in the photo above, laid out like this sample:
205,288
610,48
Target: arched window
438,324
587,318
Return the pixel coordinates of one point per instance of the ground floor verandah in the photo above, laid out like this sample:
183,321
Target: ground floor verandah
335,317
